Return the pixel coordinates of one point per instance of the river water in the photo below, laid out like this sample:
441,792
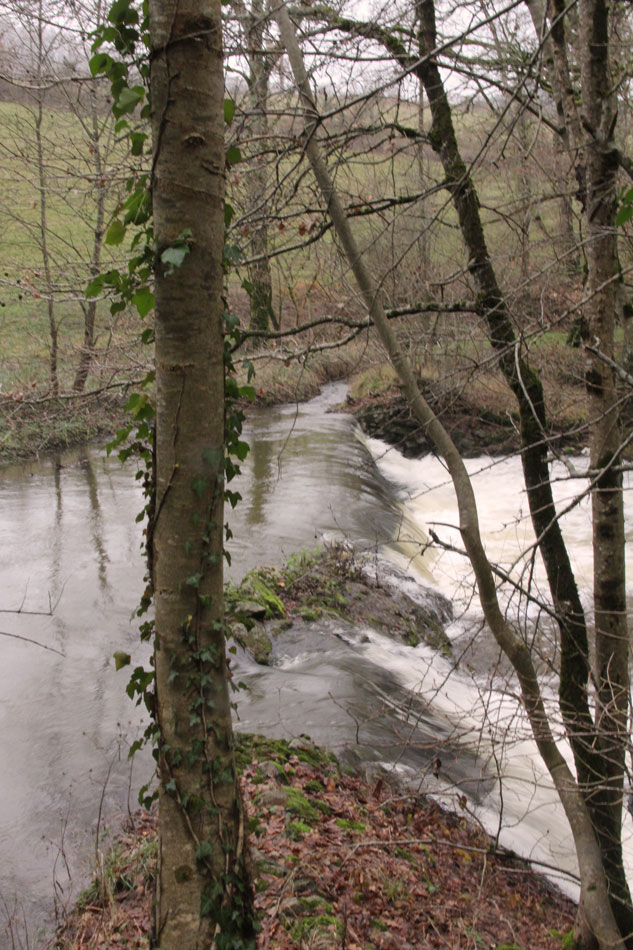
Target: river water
71,575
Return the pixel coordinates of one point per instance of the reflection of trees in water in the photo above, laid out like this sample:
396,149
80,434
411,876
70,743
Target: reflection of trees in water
261,455
96,522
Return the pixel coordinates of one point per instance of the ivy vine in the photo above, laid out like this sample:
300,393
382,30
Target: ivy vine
121,54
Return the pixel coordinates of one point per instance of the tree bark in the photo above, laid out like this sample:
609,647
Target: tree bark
90,308
260,63
204,896
611,628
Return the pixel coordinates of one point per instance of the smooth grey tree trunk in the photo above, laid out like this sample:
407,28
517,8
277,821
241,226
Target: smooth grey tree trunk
203,898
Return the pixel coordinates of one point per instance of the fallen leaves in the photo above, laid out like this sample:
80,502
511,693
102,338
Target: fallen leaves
373,869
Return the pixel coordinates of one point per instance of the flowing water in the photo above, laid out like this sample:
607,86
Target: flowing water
71,575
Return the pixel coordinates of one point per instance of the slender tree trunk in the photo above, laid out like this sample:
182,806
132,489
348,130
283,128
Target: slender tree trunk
260,63
90,309
423,177
53,330
552,34
204,897
612,638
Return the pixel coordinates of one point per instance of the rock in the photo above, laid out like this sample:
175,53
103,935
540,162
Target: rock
255,640
273,796
250,608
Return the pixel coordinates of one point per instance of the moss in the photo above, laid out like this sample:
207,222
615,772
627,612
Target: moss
253,638
183,874
306,928
256,587
314,785
295,830
297,804
349,825
323,807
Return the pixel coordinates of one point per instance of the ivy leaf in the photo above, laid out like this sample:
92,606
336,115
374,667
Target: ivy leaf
233,155
121,659
115,233
143,300
625,211
204,851
229,111
137,140
172,257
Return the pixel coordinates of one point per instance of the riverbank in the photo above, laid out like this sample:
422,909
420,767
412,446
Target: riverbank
479,412
477,408
340,861
34,423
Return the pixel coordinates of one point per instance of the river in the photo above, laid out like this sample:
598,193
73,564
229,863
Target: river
71,575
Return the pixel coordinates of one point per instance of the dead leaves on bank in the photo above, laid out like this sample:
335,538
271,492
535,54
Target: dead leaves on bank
338,863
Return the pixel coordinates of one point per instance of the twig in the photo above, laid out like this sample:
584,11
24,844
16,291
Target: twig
443,842
17,636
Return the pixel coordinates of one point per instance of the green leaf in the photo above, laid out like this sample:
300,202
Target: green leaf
200,486
204,851
98,63
128,99
115,233
121,659
229,111
232,254
240,450
172,257
233,155
95,287
138,140
143,300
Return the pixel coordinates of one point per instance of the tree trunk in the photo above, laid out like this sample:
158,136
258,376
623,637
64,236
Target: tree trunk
612,641
260,63
204,897
53,329
90,309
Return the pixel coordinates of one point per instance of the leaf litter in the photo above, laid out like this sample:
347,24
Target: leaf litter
338,862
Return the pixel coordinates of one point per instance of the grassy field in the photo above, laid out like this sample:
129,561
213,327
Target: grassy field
55,169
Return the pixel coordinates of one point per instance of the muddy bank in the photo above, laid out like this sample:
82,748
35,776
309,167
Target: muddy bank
475,430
